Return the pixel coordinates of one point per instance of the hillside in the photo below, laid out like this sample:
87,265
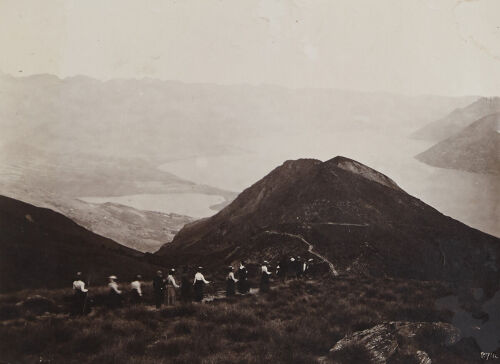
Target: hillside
475,149
458,119
354,216
40,248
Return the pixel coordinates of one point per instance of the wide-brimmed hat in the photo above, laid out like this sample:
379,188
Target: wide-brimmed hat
138,276
265,262
200,267
112,277
172,270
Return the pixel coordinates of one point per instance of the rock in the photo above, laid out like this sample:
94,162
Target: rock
38,304
384,340
423,357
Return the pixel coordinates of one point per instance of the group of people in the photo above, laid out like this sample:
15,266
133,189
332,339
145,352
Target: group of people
294,267
168,286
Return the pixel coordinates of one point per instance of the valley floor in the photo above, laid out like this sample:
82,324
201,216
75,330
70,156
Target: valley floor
297,322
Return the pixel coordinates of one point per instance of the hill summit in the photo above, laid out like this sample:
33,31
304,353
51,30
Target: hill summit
474,149
349,215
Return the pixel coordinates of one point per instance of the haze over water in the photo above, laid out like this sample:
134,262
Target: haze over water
455,193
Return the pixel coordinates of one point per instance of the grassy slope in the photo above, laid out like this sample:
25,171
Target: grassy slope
295,323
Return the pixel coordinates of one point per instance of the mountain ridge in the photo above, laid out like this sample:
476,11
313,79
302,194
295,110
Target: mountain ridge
359,224
475,149
458,119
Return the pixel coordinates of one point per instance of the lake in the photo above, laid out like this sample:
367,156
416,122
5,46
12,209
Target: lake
469,197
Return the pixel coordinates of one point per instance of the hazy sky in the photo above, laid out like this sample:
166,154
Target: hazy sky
446,47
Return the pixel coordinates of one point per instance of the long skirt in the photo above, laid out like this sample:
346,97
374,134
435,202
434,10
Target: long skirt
264,282
230,287
79,300
186,292
170,295
135,298
243,286
198,291
159,298
114,299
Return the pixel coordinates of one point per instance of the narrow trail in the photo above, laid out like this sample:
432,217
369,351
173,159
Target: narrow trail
341,224
310,249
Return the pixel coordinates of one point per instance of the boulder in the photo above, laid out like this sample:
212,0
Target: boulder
394,339
37,304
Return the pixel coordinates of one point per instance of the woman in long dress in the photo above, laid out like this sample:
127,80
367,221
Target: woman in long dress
264,278
230,283
171,286
185,287
199,284
243,286
115,294
136,290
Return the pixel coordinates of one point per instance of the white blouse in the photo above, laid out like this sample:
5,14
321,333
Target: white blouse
199,277
114,287
136,285
231,276
171,279
79,286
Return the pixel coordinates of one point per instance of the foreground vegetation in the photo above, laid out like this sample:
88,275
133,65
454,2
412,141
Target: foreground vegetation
297,322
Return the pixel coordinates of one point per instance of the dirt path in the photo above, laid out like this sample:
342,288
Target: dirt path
310,249
341,224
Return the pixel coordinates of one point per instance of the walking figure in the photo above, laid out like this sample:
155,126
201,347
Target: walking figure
185,287
243,286
309,271
79,295
136,290
171,286
299,267
264,278
282,270
230,282
292,268
159,289
115,294
199,284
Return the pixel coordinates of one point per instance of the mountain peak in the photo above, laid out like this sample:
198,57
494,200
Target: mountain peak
351,217
362,170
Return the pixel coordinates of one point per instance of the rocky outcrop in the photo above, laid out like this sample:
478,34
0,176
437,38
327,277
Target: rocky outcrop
37,304
403,339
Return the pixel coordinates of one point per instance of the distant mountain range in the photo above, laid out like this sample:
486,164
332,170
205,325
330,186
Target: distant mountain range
475,149
63,139
458,119
355,217
40,248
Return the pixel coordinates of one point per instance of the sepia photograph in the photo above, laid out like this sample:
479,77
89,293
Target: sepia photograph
251,181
